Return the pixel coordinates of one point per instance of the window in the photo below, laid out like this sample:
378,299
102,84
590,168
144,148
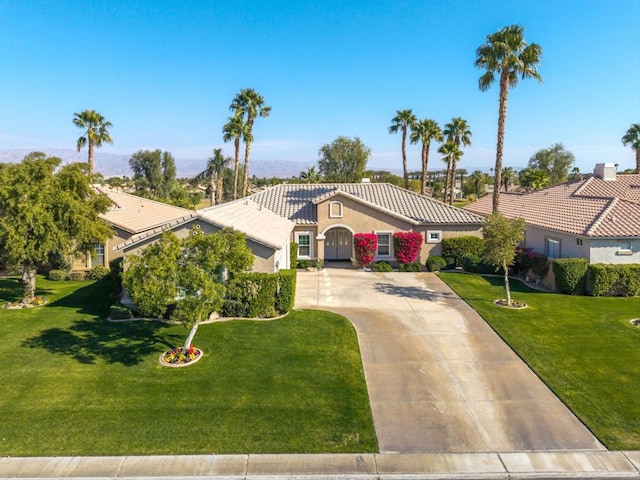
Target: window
625,246
552,248
434,236
98,255
384,244
335,210
303,239
579,242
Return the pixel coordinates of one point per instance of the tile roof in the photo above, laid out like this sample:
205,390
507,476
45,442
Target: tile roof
136,214
591,207
297,202
257,222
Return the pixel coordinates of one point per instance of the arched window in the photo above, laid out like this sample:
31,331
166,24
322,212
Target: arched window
335,209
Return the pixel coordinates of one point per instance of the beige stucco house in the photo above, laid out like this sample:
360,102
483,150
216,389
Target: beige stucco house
597,218
326,217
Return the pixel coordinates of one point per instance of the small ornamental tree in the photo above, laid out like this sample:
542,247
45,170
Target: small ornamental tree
407,246
365,246
502,236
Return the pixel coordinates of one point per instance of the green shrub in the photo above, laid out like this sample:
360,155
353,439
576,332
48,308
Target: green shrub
98,273
77,275
436,263
293,254
286,295
382,267
319,264
457,247
540,265
614,280
115,267
119,312
302,264
410,267
470,262
57,275
251,295
570,274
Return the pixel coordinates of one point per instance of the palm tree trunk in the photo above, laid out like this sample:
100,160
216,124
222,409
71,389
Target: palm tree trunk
29,280
404,157
506,282
453,181
245,183
638,160
446,180
502,117
213,191
425,159
90,159
236,162
219,191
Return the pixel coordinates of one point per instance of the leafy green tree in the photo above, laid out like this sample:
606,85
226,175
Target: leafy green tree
507,55
187,274
46,210
383,176
451,154
154,173
555,161
235,129
425,131
502,236
343,160
249,105
533,179
458,132
632,138
96,132
403,120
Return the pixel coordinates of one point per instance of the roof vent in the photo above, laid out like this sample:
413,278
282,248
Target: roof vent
605,171
365,180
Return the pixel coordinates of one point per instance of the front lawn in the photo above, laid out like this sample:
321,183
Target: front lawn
584,348
75,384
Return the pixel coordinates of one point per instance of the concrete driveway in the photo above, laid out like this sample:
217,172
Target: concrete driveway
439,378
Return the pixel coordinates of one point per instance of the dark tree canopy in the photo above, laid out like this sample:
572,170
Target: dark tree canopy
343,160
555,161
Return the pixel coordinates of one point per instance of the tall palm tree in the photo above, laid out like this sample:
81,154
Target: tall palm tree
249,104
310,175
477,177
507,55
424,131
403,120
213,173
95,132
632,137
508,177
458,132
235,129
451,154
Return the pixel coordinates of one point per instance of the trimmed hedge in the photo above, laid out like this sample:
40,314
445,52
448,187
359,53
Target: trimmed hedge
98,272
410,267
77,276
293,254
119,312
614,280
475,264
436,263
382,267
260,295
571,275
57,275
457,247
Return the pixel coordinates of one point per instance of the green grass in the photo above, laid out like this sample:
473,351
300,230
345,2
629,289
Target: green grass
75,384
583,348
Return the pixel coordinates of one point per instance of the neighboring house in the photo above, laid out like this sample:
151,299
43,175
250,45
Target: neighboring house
267,234
597,218
326,217
129,215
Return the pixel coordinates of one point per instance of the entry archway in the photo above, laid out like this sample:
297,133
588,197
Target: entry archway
338,244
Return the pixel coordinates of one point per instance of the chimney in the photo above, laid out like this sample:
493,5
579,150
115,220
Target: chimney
605,171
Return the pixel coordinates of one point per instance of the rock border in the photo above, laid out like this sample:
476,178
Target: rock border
501,302
180,365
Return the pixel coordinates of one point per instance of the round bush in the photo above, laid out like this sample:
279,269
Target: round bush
410,267
57,275
382,267
98,272
436,263
75,276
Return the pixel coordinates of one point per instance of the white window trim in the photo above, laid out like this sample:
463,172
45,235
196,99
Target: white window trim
625,251
340,210
385,232
311,237
95,256
428,238
546,247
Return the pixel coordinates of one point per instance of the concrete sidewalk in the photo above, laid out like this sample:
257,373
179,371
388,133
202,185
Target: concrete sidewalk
520,465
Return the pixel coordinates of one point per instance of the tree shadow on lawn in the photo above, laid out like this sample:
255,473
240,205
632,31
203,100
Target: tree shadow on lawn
411,292
12,289
127,343
92,299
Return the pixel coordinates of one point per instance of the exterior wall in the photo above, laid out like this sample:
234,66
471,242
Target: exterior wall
536,239
430,247
608,251
83,263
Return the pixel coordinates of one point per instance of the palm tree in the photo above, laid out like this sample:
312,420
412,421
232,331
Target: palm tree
424,131
451,154
508,177
477,177
458,132
403,120
214,175
95,132
310,175
235,129
507,54
632,137
250,103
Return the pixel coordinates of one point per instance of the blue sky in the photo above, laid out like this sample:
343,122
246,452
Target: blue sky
165,72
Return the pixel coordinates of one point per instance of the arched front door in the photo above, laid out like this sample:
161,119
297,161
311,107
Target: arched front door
337,244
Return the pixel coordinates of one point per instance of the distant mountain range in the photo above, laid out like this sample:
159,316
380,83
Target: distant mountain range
113,165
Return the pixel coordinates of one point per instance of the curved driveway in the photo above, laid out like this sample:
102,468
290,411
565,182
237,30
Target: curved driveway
439,378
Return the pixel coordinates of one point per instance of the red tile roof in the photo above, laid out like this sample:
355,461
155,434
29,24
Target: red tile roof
591,207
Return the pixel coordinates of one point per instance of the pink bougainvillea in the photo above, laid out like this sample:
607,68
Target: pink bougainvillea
407,246
365,246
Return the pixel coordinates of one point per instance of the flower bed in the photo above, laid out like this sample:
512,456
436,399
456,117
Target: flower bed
515,304
36,302
178,358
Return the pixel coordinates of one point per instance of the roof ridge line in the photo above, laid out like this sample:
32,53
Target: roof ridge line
598,221
583,186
